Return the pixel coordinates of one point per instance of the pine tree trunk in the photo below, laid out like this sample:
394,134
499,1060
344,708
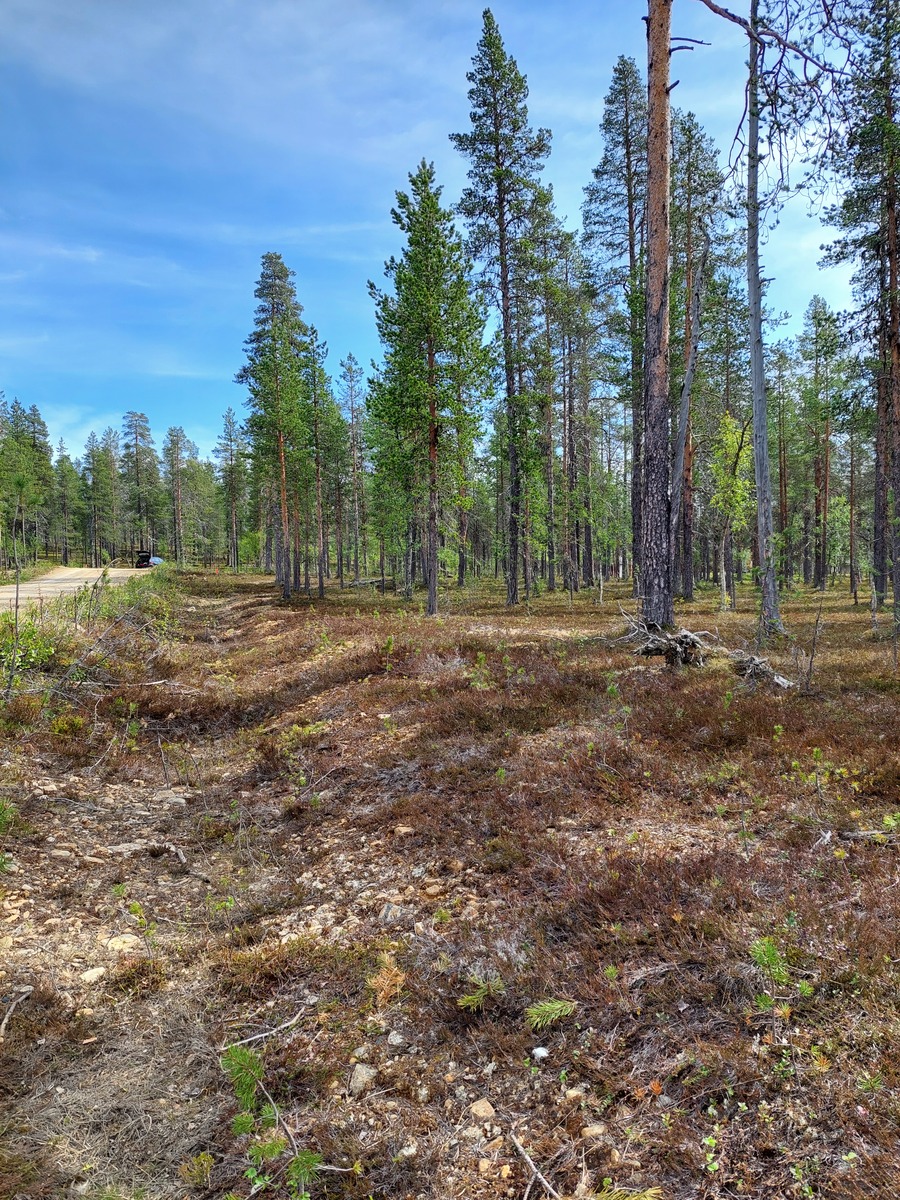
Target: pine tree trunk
787,565
656,577
512,408
854,567
431,572
882,468
683,466
462,526
549,460
355,466
720,571
770,616
893,264
320,513
282,552
826,491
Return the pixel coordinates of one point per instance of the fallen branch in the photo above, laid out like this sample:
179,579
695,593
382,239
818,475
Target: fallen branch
258,1037
24,993
157,849
870,835
756,669
535,1173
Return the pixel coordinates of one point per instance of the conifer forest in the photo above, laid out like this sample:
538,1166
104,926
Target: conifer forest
555,407
491,789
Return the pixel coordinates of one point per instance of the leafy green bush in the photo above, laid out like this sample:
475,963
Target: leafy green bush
27,649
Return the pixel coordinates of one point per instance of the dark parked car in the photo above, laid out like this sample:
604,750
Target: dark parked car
143,559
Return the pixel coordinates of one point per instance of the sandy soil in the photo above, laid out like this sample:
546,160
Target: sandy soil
59,582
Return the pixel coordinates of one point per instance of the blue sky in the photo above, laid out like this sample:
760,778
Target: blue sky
152,150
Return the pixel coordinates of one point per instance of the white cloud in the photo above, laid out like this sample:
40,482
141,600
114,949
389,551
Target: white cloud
74,423
302,75
22,345
166,364
250,125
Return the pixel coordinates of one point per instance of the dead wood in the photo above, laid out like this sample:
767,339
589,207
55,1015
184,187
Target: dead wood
683,647
756,670
678,647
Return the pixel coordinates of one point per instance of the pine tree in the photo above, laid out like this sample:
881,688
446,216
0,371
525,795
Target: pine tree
697,187
67,507
26,476
231,451
505,159
353,396
100,484
140,470
614,219
431,330
177,450
819,346
317,395
868,159
272,375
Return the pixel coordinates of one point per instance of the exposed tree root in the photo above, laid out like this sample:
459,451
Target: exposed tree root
683,647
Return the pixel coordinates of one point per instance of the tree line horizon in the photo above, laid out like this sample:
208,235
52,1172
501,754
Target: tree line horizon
558,407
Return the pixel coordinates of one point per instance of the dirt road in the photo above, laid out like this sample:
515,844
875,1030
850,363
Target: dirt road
59,582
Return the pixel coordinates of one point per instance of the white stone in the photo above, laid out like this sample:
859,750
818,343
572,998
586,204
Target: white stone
482,1109
361,1079
124,943
593,1132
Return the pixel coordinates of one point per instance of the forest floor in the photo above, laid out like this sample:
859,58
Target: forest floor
487,905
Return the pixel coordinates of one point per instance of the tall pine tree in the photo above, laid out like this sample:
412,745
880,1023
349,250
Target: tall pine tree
505,160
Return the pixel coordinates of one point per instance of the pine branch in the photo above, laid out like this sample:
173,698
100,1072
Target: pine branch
763,33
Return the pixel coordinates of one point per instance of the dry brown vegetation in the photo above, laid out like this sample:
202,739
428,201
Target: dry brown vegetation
339,820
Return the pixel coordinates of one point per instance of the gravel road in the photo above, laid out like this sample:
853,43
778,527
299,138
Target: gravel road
59,582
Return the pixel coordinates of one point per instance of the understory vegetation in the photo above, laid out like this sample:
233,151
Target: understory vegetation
336,900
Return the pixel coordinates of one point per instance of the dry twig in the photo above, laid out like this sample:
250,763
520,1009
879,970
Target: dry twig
24,993
535,1173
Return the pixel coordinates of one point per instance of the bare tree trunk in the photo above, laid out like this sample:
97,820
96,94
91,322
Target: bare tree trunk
432,551
826,493
770,616
282,552
549,461
354,459
893,263
295,522
462,534
787,565
320,516
656,577
692,351
854,567
882,470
